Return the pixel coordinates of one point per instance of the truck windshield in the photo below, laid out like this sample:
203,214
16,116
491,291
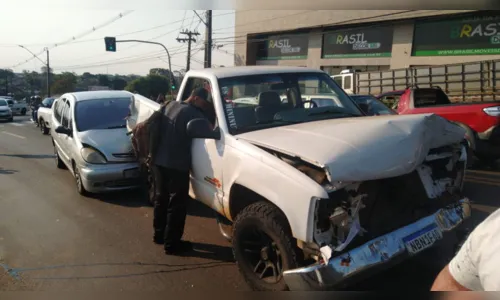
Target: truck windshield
101,114
257,102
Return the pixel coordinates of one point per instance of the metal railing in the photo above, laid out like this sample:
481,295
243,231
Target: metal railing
477,81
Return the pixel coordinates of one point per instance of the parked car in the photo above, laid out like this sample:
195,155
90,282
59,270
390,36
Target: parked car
44,114
481,120
390,98
317,197
17,108
90,138
372,106
5,111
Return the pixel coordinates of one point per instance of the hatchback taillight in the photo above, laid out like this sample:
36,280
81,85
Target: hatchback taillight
492,111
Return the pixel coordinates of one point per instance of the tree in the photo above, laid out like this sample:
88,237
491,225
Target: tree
103,80
6,76
151,85
118,84
64,83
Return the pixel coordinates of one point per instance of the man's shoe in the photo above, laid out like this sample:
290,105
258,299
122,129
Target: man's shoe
158,239
182,247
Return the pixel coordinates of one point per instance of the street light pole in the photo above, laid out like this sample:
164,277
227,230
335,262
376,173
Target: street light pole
155,43
48,72
46,64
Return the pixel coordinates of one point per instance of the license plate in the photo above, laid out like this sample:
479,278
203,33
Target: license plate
422,239
131,173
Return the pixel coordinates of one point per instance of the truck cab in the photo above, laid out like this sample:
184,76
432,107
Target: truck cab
346,80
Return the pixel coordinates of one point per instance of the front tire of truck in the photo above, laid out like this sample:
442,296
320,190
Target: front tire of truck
263,247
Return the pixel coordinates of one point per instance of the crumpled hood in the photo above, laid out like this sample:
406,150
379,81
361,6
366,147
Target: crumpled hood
363,148
113,143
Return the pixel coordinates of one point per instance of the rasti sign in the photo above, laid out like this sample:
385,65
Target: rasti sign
358,42
283,47
470,36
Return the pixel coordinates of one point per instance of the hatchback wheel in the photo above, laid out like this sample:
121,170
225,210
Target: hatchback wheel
79,184
59,163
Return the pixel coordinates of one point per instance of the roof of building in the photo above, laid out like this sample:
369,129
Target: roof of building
251,70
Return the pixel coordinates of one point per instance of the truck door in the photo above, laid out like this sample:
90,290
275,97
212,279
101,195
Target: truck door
347,83
206,172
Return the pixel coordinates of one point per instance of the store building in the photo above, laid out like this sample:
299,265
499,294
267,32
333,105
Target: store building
365,40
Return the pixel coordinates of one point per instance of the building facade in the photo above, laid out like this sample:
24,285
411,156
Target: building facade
365,40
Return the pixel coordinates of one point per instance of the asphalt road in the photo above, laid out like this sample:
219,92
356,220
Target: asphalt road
55,240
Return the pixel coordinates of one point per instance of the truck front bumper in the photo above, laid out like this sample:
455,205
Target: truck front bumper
384,250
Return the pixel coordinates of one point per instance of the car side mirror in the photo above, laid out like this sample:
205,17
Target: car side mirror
63,130
202,129
364,107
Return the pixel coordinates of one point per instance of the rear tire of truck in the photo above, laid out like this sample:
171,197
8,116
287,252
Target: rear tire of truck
263,247
23,112
43,128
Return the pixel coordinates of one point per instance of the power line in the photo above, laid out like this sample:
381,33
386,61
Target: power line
117,61
114,19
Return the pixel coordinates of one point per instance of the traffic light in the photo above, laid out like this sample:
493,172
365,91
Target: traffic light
110,44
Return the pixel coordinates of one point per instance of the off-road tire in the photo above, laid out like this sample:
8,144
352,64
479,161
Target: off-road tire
270,220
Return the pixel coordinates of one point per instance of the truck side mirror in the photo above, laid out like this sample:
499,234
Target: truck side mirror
202,129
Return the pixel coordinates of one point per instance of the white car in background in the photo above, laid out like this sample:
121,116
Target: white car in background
5,111
18,108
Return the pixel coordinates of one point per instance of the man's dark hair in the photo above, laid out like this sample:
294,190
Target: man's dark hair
200,92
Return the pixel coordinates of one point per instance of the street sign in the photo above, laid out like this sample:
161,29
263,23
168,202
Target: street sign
110,43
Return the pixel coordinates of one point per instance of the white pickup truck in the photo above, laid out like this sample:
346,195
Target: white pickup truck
44,115
317,197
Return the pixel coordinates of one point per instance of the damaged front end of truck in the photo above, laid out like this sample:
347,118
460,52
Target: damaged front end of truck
384,207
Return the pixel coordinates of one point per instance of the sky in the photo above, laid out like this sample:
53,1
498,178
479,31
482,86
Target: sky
80,34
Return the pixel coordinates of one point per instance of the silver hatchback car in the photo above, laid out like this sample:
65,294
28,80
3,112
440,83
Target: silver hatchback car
90,138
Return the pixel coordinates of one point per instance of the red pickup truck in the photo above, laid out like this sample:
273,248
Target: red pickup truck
481,120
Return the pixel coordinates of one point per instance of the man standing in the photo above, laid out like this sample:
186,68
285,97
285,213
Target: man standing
172,163
476,267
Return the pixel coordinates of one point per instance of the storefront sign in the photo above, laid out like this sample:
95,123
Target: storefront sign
470,36
283,47
361,42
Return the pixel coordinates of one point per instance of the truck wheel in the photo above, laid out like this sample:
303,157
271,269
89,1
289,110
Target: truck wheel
263,247
43,128
23,111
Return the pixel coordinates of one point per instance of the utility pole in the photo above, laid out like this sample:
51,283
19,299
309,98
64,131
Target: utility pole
48,72
46,64
189,40
208,39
